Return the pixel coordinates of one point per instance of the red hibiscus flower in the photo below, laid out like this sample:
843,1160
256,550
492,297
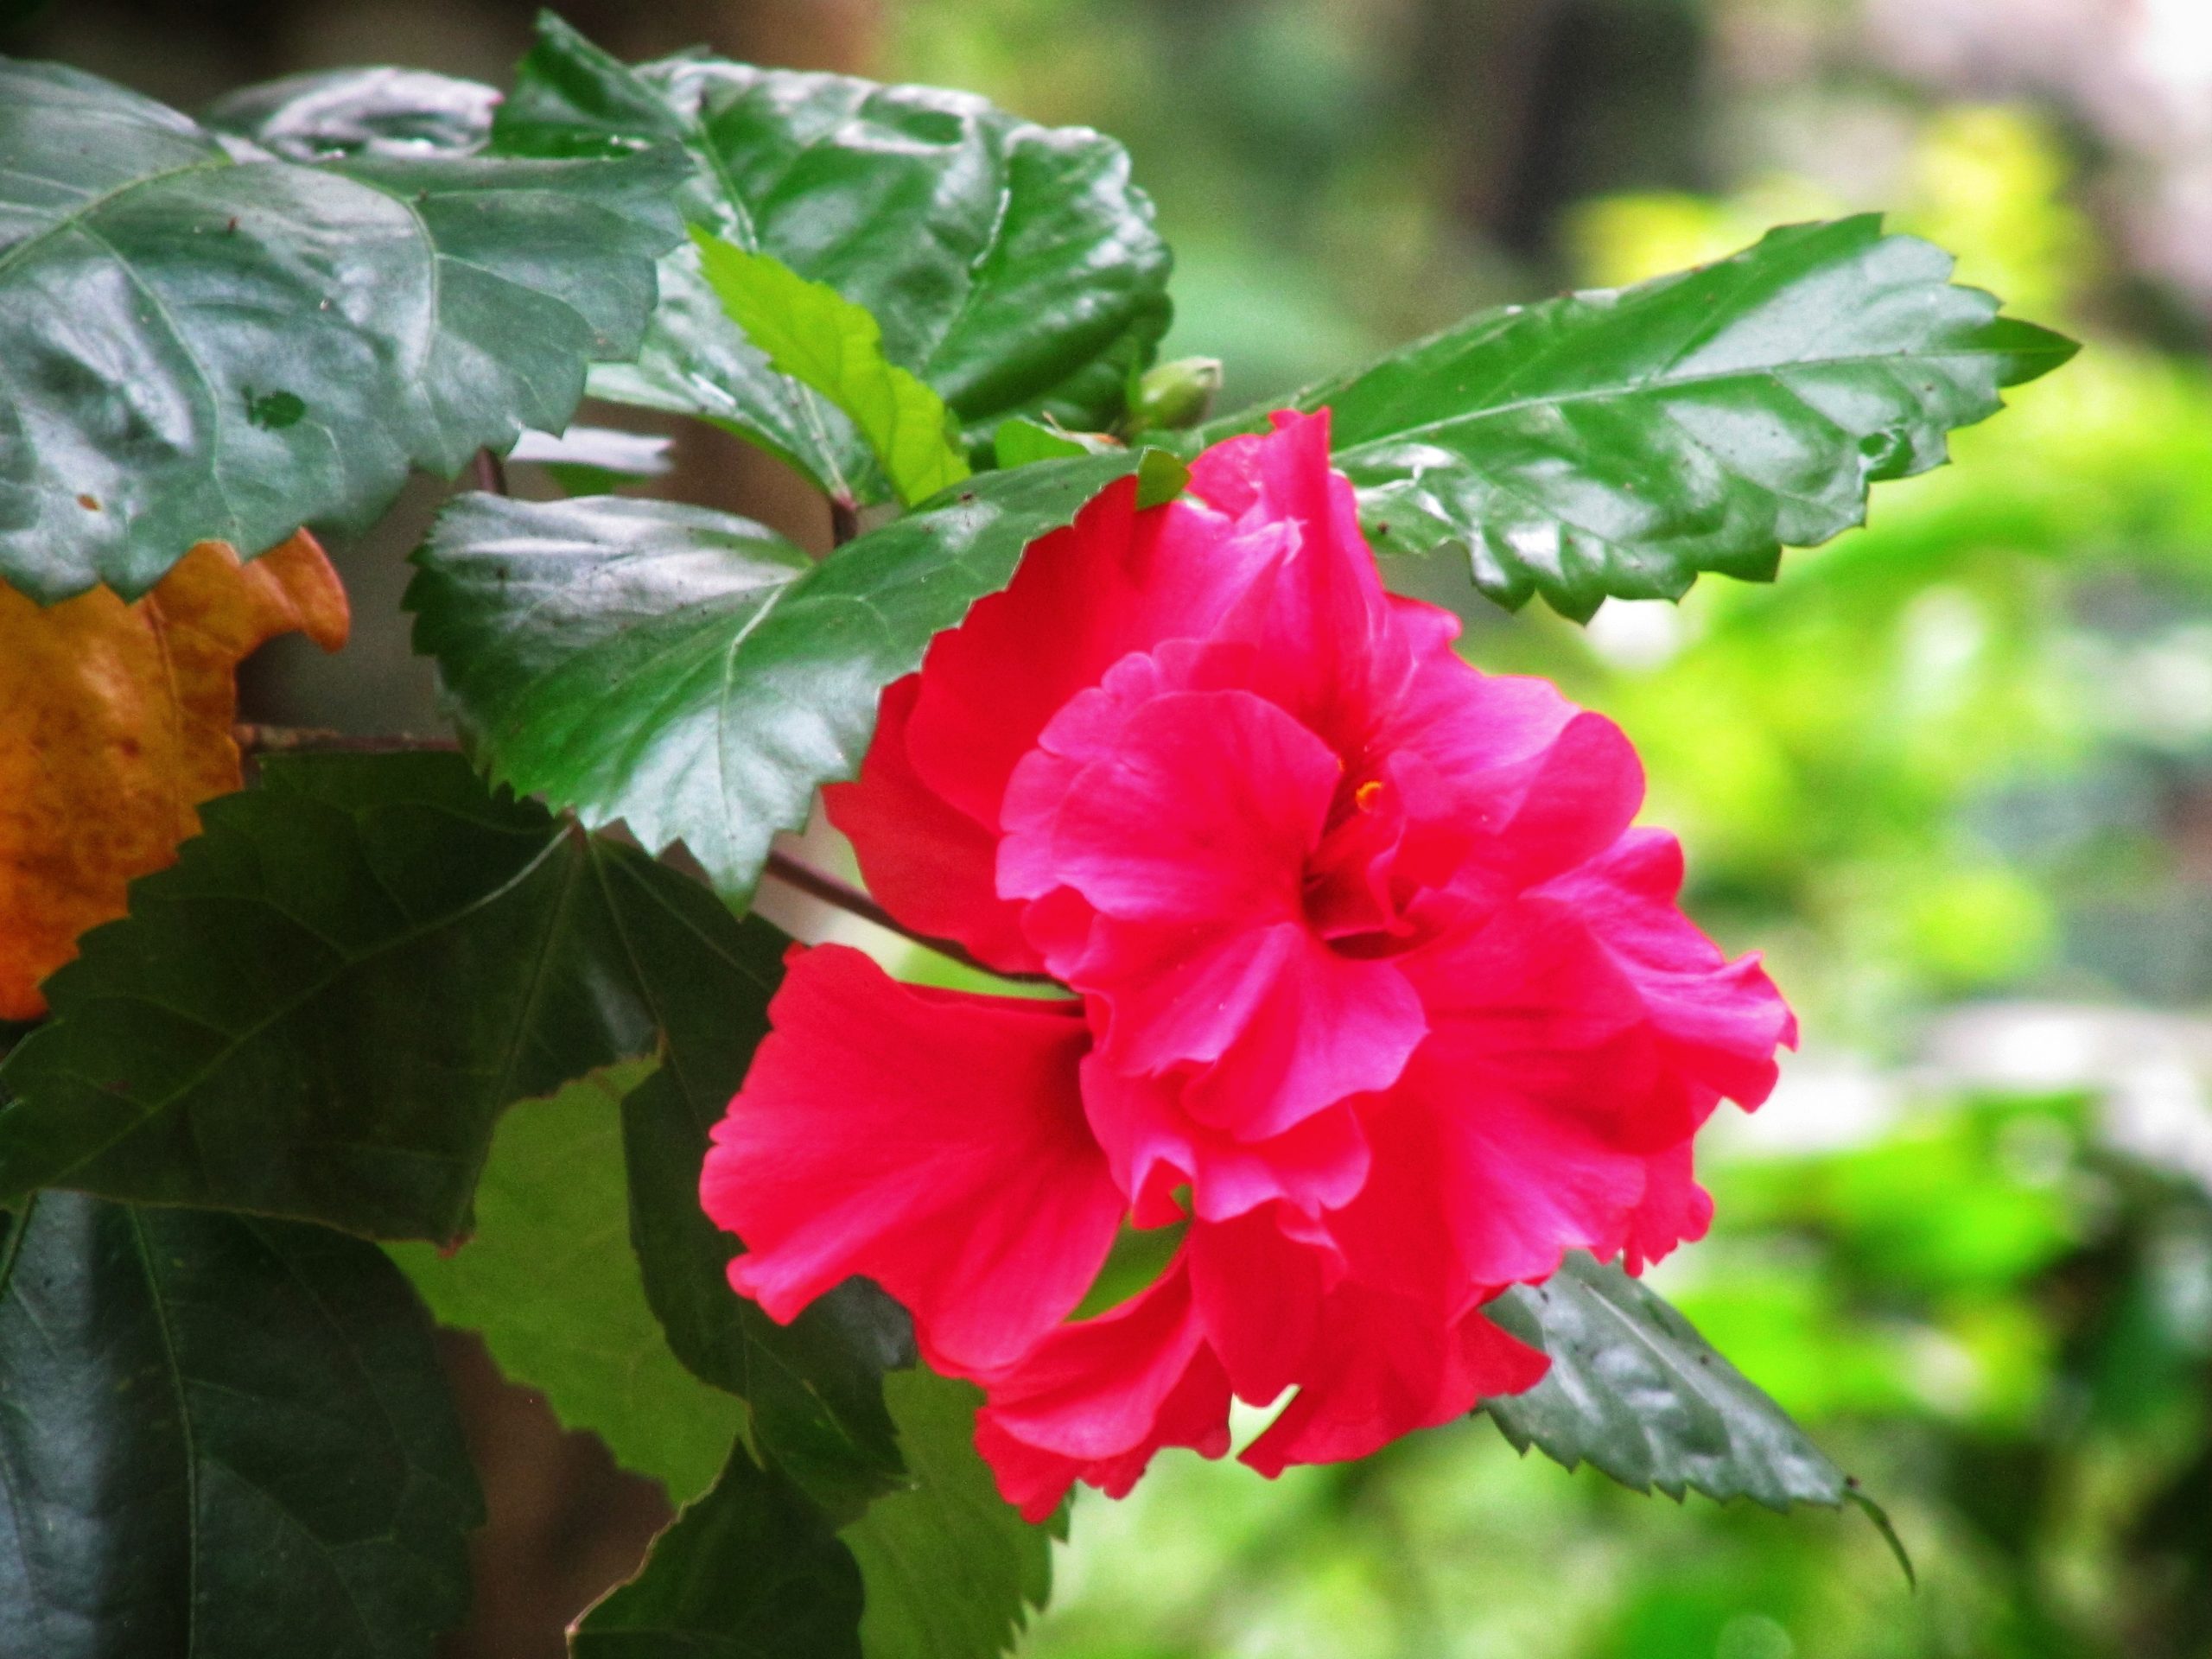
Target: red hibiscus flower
1375,992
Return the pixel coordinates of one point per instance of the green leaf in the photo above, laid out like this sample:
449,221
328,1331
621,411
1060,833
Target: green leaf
952,1569
222,1439
752,1569
549,1281
199,339
1619,443
1635,1391
322,1009
826,342
1160,477
1018,443
594,459
1013,268
814,1385
380,111
686,671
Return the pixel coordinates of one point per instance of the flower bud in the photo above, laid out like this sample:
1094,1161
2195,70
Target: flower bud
1174,395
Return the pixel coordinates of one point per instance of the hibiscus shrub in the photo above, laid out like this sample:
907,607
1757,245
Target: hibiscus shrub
1311,1025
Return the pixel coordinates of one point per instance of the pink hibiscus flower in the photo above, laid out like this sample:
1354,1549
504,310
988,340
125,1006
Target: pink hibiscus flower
1375,992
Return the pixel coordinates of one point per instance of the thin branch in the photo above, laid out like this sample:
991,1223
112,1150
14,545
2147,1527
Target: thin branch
816,884
491,473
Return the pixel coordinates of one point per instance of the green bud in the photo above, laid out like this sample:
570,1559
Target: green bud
1174,395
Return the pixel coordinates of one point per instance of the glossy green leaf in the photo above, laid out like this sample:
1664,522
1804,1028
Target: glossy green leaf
750,1570
1635,1391
688,673
951,1569
220,1437
1014,268
1620,443
549,1281
814,1385
199,338
594,459
322,1009
379,112
827,343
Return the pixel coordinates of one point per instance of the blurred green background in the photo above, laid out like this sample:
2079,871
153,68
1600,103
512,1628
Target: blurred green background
1953,771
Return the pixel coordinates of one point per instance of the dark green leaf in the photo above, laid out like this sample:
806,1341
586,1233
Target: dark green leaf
382,111
952,1569
1013,267
816,1385
750,1570
688,672
1635,1391
1619,443
199,339
549,1283
322,1009
221,1439
828,344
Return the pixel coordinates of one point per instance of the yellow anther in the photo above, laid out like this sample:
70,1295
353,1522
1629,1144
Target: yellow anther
1365,796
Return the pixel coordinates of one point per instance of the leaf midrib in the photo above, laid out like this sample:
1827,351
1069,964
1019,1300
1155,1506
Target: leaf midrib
84,210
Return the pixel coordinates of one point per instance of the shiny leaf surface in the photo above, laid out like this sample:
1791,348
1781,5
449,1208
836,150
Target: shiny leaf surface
1012,267
1635,1391
1621,443
832,346
200,340
689,673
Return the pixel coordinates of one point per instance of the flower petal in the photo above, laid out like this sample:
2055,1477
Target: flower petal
1385,1369
926,861
1096,1400
1723,1020
1155,1146
1115,580
932,1141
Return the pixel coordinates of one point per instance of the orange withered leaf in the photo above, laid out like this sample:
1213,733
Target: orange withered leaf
115,724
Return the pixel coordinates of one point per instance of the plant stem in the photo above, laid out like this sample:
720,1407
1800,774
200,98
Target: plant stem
782,866
816,884
491,473
844,521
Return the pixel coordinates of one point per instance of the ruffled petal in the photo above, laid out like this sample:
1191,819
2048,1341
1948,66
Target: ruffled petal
1115,580
1184,820
932,1141
1094,1401
1155,1146
1723,1020
1259,1293
1385,1368
1203,810
928,862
